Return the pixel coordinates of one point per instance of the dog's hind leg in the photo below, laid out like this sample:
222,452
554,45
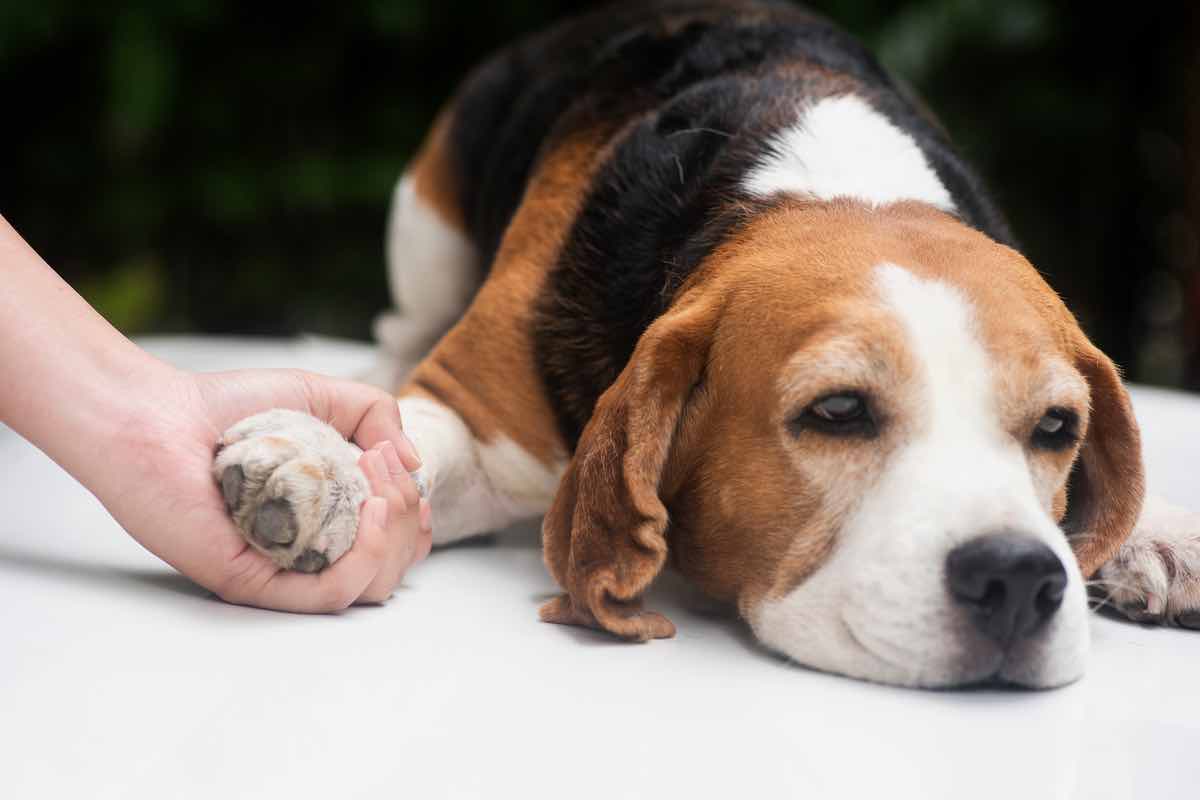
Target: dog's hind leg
433,268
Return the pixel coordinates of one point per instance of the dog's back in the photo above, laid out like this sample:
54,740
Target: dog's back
686,97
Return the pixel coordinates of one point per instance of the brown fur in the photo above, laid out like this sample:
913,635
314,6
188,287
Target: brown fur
483,368
695,424
1110,485
1024,321
687,455
434,178
605,534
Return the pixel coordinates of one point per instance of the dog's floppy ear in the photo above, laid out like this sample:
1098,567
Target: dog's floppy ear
1107,484
604,536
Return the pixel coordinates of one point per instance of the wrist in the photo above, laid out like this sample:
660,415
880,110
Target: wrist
71,383
69,376
140,409
95,417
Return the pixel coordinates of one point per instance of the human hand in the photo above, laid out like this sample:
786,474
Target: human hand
161,491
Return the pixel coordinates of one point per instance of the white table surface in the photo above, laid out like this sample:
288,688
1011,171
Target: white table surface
119,678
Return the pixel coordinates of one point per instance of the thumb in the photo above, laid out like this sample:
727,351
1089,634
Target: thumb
365,414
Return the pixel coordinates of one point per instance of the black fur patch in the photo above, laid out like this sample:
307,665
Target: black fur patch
692,90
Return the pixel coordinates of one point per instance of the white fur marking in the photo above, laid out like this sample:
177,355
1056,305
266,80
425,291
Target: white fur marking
879,608
474,487
432,267
433,271
841,147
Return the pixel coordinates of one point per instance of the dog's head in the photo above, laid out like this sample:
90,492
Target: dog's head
865,428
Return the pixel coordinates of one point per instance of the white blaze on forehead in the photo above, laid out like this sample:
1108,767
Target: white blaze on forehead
841,147
959,441
942,334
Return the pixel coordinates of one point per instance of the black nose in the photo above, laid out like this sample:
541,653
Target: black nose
1010,583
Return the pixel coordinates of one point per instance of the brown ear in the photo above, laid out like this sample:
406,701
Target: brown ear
604,537
1107,484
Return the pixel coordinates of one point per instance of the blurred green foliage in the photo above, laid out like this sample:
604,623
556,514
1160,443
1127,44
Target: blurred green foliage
201,165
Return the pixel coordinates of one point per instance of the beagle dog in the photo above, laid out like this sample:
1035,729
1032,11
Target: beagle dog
700,283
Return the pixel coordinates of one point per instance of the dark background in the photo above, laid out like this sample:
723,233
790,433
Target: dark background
225,167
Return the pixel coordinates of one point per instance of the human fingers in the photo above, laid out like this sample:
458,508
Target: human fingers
360,412
389,481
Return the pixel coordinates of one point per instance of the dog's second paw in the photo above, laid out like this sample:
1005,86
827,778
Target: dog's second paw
1155,576
293,487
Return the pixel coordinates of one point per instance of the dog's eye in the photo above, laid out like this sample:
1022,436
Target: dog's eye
1056,430
840,408
841,414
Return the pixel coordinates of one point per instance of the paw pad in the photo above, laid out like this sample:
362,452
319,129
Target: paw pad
292,485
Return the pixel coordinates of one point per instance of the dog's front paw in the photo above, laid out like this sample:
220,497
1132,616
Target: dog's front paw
1155,576
293,487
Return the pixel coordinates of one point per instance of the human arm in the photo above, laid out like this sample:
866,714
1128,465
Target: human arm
140,434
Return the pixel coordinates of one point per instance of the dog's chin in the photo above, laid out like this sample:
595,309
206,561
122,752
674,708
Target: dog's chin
960,658
1008,672
1039,666
993,670
1040,663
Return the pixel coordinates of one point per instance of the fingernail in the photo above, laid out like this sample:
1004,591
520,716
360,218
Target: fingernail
425,518
408,453
393,460
377,511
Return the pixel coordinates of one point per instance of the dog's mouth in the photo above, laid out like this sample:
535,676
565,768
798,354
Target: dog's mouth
993,683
